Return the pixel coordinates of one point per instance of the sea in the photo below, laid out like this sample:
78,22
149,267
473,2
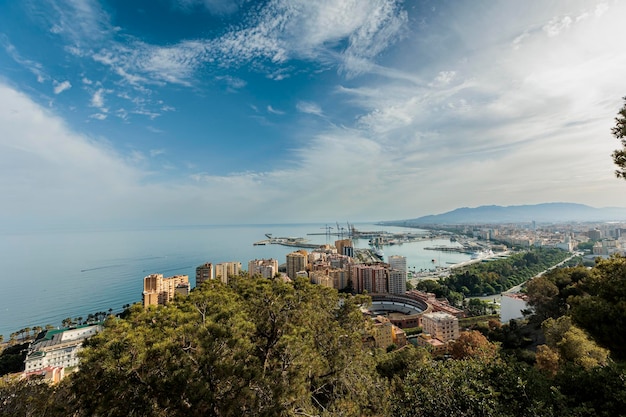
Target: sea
47,276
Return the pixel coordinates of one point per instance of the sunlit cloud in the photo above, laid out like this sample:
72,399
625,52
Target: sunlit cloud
309,108
60,87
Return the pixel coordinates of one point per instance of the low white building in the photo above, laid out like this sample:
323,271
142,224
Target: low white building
58,348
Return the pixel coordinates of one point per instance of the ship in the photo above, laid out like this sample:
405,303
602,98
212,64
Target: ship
378,252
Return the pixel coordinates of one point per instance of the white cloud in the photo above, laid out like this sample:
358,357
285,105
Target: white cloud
555,26
272,110
87,81
98,116
309,107
97,99
60,87
233,82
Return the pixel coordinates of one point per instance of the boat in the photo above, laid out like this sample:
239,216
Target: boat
378,252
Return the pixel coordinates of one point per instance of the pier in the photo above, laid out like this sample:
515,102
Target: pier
296,242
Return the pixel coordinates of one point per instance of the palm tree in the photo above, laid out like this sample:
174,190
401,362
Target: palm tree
37,330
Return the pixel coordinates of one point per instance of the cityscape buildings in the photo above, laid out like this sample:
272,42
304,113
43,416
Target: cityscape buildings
296,262
158,290
267,268
227,269
204,272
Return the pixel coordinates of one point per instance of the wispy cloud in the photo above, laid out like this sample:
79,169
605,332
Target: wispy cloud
214,6
34,67
60,87
309,107
272,110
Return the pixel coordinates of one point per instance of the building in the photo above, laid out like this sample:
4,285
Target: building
204,273
296,262
382,331
225,270
266,268
386,334
397,274
442,326
340,278
321,278
345,247
370,277
159,291
55,349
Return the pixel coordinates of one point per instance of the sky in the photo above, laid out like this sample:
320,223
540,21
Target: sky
178,112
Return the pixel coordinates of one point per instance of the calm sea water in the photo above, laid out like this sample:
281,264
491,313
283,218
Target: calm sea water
46,277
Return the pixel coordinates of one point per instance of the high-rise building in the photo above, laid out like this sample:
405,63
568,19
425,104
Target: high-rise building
340,277
442,326
397,274
370,278
204,273
159,291
266,268
344,247
296,262
321,278
397,282
225,270
397,262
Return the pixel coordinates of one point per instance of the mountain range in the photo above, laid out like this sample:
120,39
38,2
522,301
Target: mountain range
540,213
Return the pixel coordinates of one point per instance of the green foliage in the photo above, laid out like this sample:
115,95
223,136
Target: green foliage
586,245
12,358
571,344
495,276
471,387
32,397
256,347
619,131
599,305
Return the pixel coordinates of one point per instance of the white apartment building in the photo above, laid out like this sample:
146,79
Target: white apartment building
442,326
58,348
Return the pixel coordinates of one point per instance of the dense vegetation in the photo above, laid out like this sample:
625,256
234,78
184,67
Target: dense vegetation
267,348
486,278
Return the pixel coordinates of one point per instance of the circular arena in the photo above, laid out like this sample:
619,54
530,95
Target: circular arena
402,311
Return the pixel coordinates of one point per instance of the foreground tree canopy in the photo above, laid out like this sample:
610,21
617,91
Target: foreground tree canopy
256,347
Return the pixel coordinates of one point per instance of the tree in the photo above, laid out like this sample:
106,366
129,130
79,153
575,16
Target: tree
253,347
473,344
542,296
599,306
570,344
619,131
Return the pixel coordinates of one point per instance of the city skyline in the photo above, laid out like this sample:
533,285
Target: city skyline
223,112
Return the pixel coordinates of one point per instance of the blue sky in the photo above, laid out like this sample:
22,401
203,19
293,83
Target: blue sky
170,112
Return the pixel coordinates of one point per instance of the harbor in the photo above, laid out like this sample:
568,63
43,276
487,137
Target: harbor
296,242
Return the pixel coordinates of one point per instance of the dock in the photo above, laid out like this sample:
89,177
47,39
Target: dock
296,242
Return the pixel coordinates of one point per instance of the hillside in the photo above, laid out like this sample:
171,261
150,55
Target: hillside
540,213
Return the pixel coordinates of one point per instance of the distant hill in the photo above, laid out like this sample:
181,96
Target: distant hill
541,213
